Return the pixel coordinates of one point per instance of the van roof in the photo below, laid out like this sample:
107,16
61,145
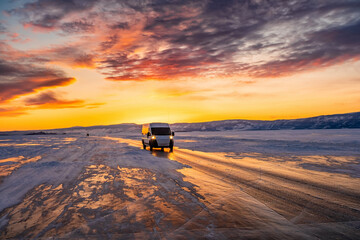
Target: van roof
159,125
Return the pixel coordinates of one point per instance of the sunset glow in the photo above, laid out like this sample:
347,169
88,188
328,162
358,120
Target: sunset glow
83,63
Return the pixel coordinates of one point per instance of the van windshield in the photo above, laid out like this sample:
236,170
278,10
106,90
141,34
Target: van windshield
161,131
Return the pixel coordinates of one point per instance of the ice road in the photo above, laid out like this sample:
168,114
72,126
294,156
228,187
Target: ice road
220,185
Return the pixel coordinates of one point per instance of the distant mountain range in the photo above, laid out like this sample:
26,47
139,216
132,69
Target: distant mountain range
337,121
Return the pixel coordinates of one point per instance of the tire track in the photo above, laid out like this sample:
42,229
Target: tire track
298,197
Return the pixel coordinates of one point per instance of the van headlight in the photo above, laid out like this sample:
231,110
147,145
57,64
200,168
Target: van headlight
153,137
171,137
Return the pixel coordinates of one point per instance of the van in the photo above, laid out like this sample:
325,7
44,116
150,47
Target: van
157,135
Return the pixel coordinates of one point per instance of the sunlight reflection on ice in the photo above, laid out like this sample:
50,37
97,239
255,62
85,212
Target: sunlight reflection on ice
69,139
112,196
8,165
186,140
19,144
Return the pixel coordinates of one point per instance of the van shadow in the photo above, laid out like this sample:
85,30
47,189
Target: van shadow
163,154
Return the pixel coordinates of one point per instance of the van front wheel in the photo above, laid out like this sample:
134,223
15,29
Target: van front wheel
144,146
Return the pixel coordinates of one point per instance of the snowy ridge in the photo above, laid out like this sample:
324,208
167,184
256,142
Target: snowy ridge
337,121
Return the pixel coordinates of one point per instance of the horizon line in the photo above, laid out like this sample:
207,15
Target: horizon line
231,119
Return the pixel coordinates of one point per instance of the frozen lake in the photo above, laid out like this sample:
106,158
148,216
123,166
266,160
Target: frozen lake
217,185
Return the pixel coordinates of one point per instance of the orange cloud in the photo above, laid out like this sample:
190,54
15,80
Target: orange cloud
36,28
69,55
12,112
45,100
50,100
162,40
9,91
23,74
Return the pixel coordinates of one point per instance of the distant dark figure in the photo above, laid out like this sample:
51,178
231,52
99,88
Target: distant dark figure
87,134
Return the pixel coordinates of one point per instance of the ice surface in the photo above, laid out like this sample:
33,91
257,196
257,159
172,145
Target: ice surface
299,142
61,162
253,184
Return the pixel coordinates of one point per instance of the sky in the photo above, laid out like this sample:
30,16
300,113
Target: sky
70,63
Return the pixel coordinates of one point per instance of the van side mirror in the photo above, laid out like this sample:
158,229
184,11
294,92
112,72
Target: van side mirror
148,134
173,133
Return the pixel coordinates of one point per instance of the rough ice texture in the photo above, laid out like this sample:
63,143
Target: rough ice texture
241,183
300,142
63,160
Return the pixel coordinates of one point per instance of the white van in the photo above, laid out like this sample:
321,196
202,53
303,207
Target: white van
157,135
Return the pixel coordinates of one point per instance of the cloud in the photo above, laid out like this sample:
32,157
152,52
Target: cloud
2,28
22,80
50,100
120,25
208,39
22,75
53,100
47,15
167,64
45,100
320,49
78,26
348,35
109,42
162,40
12,112
94,105
12,36
71,55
